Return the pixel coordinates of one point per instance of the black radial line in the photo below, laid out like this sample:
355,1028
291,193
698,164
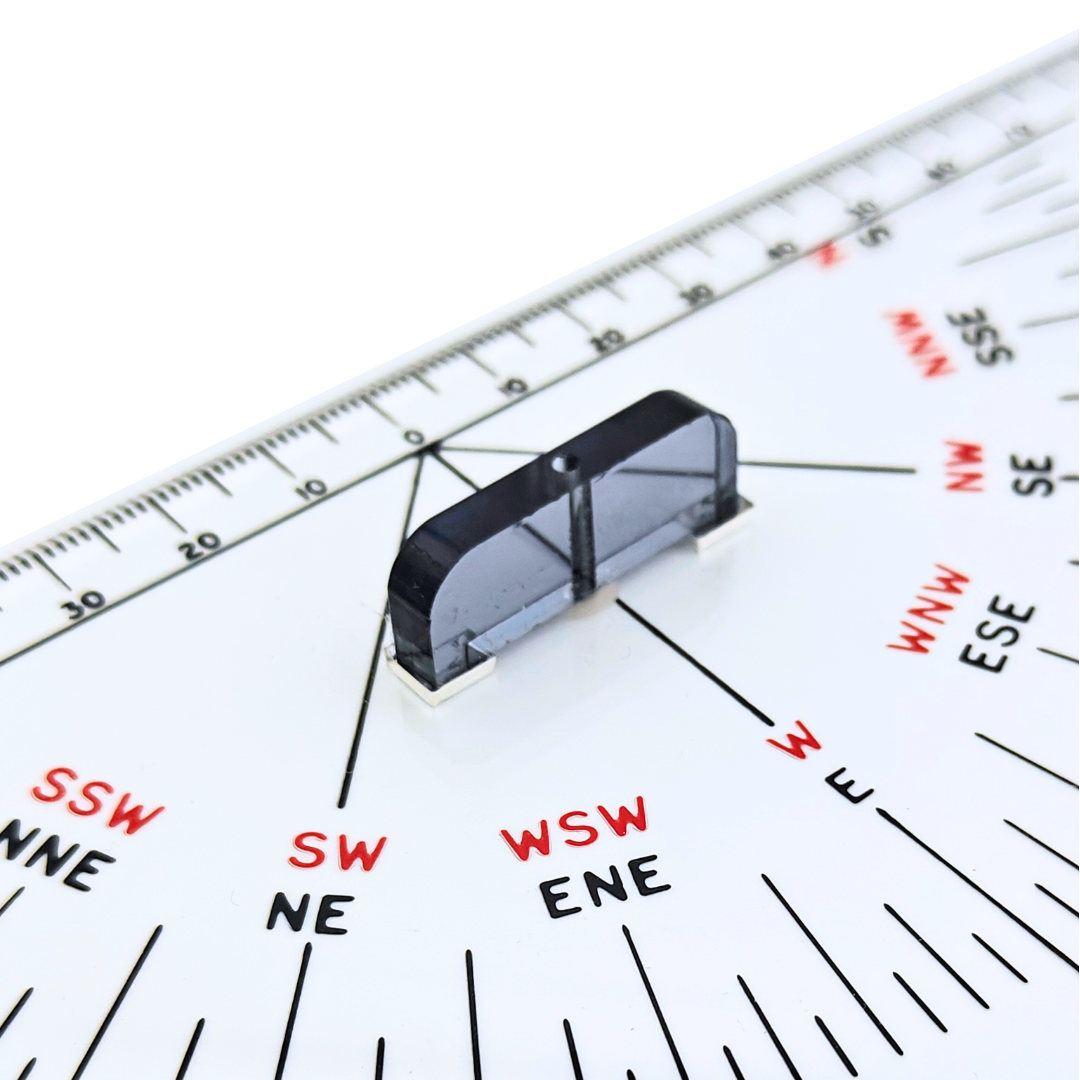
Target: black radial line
1057,899
380,1057
832,963
919,1001
730,691
286,1039
270,457
575,1064
680,1068
1008,750
101,536
1024,832
980,890
15,1009
736,1071
456,471
28,1068
1027,193
474,1030
937,956
1052,652
49,570
373,667
164,513
828,466
1046,320
12,898
997,956
1004,249
190,1052
116,1005
492,450
836,1046
769,1029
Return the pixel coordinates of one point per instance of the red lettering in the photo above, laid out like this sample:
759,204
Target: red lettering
914,640
937,366
50,778
966,481
625,819
564,823
924,343
948,583
797,742
528,842
964,453
347,857
301,845
95,802
132,820
905,322
924,612
829,254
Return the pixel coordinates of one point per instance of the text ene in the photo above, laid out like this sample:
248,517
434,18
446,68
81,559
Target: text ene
347,855
133,818
595,885
49,850
618,823
949,581
919,343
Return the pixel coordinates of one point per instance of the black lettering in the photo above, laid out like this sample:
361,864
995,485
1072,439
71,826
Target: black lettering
980,660
85,866
552,898
16,843
1030,465
846,786
293,916
1009,612
1039,484
615,886
327,911
53,859
641,876
998,631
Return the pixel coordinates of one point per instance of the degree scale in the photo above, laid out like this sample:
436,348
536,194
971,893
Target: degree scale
801,804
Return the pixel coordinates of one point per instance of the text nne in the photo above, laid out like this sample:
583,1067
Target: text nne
132,818
574,821
948,582
348,854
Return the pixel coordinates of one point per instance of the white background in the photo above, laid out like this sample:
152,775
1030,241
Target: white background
212,211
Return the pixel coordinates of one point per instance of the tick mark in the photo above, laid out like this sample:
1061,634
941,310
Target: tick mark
1057,899
1046,234
829,466
323,432
270,457
190,1053
979,889
679,1067
1024,832
769,1029
993,952
286,1039
474,1032
1060,656
12,898
736,1071
49,570
101,536
9,1019
832,964
380,1057
1046,320
919,1001
936,955
116,1004
1002,746
574,1063
836,1046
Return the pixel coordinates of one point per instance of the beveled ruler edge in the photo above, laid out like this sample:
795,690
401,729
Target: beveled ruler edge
50,540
